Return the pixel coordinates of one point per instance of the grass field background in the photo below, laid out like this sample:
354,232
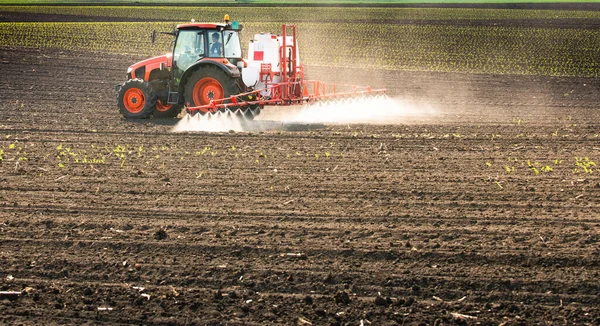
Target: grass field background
315,2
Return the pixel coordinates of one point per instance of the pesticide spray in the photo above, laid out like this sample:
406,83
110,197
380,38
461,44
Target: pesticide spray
379,109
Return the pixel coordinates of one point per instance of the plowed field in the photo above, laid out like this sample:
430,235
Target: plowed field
479,206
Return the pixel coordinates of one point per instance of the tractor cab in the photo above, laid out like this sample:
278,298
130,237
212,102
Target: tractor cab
219,43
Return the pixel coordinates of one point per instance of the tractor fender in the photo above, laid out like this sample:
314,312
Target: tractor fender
229,69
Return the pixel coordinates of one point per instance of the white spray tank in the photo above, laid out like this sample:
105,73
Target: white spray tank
264,61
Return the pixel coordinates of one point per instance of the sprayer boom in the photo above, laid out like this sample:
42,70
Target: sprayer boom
286,93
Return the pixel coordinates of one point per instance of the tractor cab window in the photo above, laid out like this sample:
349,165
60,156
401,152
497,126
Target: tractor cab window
189,48
232,44
224,45
215,45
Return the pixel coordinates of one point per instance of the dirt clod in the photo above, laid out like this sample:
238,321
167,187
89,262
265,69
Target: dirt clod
160,234
342,297
308,300
382,301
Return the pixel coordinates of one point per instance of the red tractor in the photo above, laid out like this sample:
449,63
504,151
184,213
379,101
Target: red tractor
206,73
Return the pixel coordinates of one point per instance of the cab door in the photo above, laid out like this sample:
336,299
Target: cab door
190,46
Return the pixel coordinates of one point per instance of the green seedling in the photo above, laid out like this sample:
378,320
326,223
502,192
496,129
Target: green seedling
584,164
518,121
203,151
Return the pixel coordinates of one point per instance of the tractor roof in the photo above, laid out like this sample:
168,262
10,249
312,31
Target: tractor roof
202,26
227,25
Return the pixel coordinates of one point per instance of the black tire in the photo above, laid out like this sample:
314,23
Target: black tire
136,99
209,82
166,110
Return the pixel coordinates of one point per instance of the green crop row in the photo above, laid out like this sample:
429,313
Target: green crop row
447,48
98,36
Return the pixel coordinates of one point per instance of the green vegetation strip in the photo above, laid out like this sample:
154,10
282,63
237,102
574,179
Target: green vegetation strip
287,2
291,14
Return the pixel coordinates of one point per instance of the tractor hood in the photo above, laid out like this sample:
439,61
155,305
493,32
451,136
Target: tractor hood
143,68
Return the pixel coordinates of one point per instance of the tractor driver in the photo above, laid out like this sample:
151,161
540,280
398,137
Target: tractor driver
215,49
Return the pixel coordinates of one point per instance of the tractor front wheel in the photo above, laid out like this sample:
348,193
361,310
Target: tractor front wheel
136,99
209,83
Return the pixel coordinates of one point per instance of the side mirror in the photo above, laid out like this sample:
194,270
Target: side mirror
153,36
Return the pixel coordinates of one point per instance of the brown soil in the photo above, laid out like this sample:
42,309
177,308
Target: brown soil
415,222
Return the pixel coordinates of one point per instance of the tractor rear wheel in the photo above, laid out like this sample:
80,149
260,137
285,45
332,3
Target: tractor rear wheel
209,83
136,99
166,110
